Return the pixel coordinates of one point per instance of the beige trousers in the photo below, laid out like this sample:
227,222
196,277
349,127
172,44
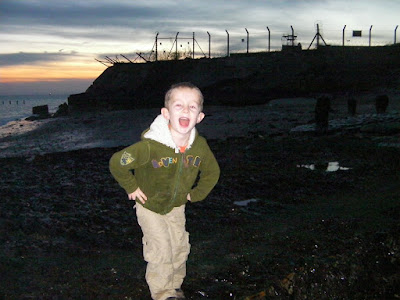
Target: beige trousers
165,249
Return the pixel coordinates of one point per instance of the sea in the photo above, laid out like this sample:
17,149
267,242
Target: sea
17,107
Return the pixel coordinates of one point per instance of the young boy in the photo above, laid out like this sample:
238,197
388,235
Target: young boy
165,165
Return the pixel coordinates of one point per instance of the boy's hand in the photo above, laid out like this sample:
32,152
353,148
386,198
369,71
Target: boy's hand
188,197
139,195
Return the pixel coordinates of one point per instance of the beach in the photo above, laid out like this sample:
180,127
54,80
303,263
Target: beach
122,128
295,214
15,107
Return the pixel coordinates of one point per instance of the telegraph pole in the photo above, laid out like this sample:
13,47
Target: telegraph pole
317,36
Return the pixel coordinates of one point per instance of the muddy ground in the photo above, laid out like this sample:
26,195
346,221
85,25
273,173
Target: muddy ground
67,230
280,224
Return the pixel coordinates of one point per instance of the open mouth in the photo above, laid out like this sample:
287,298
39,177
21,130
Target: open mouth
184,122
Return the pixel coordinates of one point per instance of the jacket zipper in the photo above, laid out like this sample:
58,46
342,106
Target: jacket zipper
179,176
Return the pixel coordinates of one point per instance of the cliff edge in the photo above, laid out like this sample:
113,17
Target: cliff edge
246,79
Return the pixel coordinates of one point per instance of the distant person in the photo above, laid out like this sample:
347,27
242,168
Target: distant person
159,173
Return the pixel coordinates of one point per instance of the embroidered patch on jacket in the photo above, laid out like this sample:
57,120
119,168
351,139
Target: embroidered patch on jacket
126,158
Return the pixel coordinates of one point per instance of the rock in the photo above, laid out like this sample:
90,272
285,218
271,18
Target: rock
42,110
381,103
352,106
62,110
39,113
322,108
381,128
250,79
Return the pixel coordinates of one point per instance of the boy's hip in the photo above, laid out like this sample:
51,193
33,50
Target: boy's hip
165,203
165,239
148,218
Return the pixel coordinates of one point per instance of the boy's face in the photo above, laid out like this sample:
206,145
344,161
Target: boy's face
183,111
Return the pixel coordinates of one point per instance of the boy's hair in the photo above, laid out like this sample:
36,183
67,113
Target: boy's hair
183,85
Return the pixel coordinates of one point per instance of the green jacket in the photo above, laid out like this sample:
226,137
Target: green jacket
164,174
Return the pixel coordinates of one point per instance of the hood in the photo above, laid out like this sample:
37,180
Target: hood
160,132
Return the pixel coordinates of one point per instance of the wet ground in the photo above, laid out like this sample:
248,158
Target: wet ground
279,224
119,128
295,215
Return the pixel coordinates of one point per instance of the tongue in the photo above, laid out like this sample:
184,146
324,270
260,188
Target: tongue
184,122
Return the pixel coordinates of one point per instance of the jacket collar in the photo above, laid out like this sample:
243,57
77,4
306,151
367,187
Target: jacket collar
159,132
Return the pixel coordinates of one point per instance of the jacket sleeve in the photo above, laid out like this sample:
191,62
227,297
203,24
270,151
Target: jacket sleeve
209,175
123,163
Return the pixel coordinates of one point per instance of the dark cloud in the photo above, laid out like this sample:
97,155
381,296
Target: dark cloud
129,14
25,58
141,15
93,26
110,21
71,13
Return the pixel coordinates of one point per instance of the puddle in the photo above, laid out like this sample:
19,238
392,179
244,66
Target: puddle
245,202
311,167
332,166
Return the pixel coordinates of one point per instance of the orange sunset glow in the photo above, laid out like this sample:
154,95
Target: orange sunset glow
51,72
59,41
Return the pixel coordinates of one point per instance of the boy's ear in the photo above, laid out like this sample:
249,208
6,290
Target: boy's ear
200,117
165,112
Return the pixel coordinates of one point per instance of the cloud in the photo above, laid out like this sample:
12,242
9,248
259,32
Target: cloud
109,14
34,31
101,22
25,58
149,15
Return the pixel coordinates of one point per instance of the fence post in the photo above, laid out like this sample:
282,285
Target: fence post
227,54
370,29
176,46
343,35
292,35
193,46
247,41
157,46
209,45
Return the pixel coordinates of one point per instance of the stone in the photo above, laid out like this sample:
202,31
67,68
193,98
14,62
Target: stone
42,110
322,108
381,103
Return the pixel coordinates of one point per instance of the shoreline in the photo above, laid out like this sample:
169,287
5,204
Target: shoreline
104,129
19,107
121,128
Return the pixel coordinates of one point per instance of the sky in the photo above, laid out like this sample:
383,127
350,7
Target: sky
62,46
